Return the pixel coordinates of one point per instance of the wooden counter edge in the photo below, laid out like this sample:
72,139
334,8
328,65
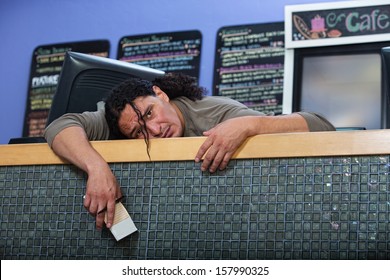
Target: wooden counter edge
283,145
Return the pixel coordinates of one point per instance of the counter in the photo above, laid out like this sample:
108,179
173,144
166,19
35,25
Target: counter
322,195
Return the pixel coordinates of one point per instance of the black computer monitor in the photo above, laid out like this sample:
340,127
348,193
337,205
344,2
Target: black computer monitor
87,79
386,69
344,83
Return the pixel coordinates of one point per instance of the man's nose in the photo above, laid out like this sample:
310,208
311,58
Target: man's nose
154,129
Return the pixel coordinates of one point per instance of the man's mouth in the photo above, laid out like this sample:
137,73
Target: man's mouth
166,133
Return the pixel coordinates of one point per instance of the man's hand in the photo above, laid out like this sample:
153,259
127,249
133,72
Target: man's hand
224,139
102,192
222,142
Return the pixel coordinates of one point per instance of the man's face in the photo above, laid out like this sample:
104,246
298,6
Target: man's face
161,117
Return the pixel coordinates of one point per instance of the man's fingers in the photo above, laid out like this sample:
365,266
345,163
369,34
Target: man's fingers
225,161
100,220
203,149
110,214
216,161
220,161
86,201
93,208
209,158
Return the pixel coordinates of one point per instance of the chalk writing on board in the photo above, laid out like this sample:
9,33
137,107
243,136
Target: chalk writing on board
169,52
249,65
44,75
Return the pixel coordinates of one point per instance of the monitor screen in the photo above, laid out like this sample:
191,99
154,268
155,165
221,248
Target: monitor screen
85,80
345,84
347,89
386,68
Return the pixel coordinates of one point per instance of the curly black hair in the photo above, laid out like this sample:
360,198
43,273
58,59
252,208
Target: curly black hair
178,84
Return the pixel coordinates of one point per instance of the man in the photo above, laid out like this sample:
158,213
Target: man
170,106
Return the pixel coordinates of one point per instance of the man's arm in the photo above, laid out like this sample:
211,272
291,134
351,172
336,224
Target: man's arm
102,189
225,138
69,138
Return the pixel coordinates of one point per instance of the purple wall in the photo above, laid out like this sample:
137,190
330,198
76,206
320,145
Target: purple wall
26,24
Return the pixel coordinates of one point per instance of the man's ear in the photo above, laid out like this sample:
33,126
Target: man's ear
160,94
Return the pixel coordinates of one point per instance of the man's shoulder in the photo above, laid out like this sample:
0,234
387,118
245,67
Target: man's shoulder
208,99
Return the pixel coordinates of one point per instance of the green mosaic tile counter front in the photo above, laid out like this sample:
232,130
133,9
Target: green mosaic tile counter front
302,208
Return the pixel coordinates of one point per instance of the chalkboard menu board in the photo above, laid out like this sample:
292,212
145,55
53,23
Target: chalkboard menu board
169,52
337,23
249,65
44,75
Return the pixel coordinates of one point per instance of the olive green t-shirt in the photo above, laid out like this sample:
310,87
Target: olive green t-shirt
199,116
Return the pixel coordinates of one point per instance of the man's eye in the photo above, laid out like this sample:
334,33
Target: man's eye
139,132
149,114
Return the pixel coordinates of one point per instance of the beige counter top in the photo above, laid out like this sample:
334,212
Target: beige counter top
284,145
